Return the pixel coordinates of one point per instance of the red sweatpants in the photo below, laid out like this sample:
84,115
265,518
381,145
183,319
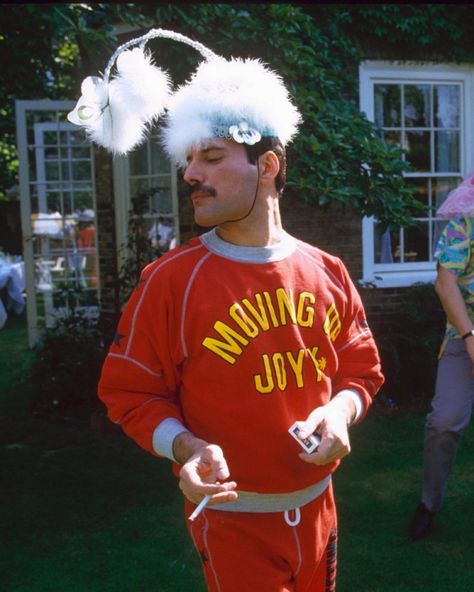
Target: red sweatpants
245,552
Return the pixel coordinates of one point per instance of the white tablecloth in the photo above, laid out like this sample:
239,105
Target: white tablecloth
12,277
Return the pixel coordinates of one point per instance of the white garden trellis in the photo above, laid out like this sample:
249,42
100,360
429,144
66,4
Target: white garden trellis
57,193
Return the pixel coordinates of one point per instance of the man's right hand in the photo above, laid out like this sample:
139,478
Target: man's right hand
203,470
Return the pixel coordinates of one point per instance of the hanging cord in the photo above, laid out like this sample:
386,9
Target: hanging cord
254,200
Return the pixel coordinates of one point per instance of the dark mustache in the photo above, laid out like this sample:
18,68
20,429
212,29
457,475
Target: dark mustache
202,188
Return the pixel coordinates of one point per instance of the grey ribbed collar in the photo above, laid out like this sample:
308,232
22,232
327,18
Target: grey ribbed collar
268,254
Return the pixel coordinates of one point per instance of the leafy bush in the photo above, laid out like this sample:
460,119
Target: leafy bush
137,250
409,349
67,367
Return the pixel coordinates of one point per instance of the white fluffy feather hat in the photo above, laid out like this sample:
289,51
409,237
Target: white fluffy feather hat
243,100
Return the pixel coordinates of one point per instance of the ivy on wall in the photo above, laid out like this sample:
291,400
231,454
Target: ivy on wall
316,48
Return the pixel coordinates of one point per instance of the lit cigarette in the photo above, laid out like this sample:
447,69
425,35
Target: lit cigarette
200,507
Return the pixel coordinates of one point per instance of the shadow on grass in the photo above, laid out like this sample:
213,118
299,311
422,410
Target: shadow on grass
82,510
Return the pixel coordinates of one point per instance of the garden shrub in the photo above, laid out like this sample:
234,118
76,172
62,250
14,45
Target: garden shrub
137,251
409,349
67,367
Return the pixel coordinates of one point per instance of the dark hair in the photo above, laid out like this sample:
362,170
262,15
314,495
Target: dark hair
270,143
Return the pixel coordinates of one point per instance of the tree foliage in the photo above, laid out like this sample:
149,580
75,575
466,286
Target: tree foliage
337,155
46,50
440,31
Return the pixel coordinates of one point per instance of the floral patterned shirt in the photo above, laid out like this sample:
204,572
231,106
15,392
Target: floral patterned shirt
455,251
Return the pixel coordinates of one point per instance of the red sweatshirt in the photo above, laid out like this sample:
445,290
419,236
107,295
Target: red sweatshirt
238,343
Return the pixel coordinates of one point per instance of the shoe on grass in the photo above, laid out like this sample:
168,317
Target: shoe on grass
421,523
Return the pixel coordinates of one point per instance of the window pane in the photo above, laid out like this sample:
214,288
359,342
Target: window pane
51,171
81,171
387,105
417,105
65,153
66,170
81,152
441,188
50,138
161,233
138,185
50,153
139,161
65,138
34,199
392,138
77,139
32,162
417,242
159,161
67,205
447,157
421,194
438,227
82,200
447,105
161,200
386,245
418,150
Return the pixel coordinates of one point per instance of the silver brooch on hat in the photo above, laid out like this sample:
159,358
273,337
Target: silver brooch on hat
243,134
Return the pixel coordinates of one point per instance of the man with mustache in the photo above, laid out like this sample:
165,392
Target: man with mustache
232,338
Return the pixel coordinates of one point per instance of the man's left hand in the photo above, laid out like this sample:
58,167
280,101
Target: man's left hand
331,423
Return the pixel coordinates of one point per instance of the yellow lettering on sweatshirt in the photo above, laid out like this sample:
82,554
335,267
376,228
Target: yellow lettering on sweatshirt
262,312
224,348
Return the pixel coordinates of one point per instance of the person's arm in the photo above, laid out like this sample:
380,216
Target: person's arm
203,470
138,385
356,382
448,291
139,380
453,254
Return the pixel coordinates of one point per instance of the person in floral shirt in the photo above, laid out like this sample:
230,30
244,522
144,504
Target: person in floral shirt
454,392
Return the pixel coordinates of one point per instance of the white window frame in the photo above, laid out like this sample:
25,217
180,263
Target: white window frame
371,72
25,124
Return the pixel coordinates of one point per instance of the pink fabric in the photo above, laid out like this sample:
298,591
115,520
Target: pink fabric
460,201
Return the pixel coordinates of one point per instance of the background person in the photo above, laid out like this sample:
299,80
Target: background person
451,406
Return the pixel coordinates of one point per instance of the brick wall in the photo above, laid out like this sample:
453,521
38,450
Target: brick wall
337,229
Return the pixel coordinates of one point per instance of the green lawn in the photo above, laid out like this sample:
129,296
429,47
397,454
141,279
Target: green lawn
87,511
15,358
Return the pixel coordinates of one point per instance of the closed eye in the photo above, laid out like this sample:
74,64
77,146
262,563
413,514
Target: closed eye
213,154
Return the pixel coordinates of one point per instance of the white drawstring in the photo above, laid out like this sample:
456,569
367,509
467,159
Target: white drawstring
296,520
